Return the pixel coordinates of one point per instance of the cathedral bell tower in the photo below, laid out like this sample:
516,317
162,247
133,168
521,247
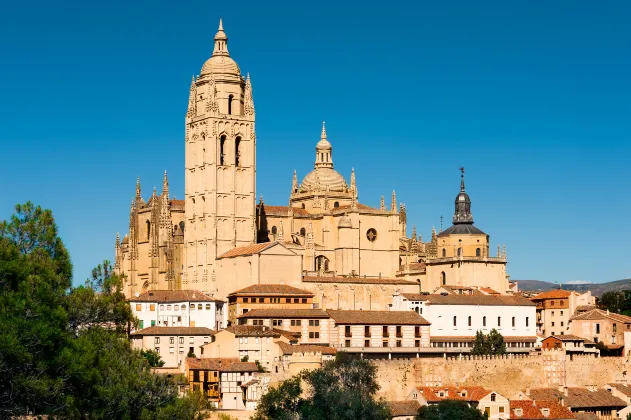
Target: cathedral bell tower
220,166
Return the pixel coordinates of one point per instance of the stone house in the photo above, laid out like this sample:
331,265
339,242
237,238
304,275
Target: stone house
590,399
178,308
572,344
267,296
531,410
556,307
171,343
599,325
404,410
311,324
492,403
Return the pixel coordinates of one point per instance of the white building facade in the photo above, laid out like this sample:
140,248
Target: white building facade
179,308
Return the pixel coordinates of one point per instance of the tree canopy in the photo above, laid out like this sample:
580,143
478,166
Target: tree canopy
449,410
63,351
343,388
488,344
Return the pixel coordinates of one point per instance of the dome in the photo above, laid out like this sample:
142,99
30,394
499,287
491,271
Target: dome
463,197
326,177
220,64
345,222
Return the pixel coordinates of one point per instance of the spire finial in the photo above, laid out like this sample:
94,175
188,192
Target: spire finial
462,178
323,135
393,204
221,41
220,24
165,184
382,205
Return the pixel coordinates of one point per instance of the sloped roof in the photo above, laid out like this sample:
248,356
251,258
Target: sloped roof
252,331
553,294
177,204
171,296
596,314
155,330
287,348
404,408
284,313
226,364
271,289
567,337
378,317
283,210
531,410
625,389
586,416
578,397
461,229
471,393
247,250
489,291
478,299
356,280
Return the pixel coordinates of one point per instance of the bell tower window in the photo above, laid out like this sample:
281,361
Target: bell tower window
222,149
148,229
237,151
230,104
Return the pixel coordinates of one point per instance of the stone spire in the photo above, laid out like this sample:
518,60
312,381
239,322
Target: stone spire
165,219
117,253
433,233
393,204
248,101
403,213
294,183
353,182
324,151
382,205
118,240
462,212
192,100
221,42
138,193
133,237
281,233
414,233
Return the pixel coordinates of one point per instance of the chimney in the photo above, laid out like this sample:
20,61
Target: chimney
607,312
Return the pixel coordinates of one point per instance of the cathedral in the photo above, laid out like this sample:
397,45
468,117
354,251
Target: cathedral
219,239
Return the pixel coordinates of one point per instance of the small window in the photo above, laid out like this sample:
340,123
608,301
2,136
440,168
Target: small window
527,321
303,232
366,343
171,340
156,340
469,321
199,306
230,97
455,322
444,252
274,230
183,307
499,321
484,321
222,150
443,278
459,252
314,334
493,397
336,204
237,151
139,307
477,252
513,321
208,306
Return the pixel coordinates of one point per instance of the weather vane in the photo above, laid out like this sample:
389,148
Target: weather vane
441,222
462,170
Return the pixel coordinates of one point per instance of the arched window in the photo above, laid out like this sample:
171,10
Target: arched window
484,321
237,151
477,252
336,204
274,230
322,263
455,321
182,227
230,104
444,252
303,205
459,252
443,278
148,229
303,232
222,149
493,397
513,321
469,320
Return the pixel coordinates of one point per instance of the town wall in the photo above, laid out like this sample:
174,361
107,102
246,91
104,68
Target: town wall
506,374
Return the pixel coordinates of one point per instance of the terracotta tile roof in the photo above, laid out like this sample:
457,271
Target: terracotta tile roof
283,210
177,204
596,314
291,336
507,339
567,337
625,389
174,331
417,266
271,289
250,383
553,294
378,318
247,250
252,331
355,280
285,313
287,348
584,308
470,393
489,291
404,408
578,398
221,364
531,410
481,300
171,296
414,296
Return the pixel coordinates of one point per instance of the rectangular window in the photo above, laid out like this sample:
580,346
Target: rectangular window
513,322
561,323
499,321
417,343
245,300
552,323
347,343
141,324
615,327
304,300
417,332
296,300
347,331
398,343
385,344
296,322
597,328
152,307
171,340
366,343
561,313
385,332
157,349
314,322
287,300
181,340
156,340
171,349
366,331
551,303
261,300
277,322
208,306
526,321
399,332
314,334
153,322
139,307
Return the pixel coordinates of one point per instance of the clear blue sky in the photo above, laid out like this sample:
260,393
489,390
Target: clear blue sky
533,98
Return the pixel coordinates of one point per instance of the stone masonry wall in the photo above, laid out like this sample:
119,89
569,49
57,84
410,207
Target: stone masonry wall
504,374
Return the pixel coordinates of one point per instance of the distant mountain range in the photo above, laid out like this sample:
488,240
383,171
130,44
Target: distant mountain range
597,288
